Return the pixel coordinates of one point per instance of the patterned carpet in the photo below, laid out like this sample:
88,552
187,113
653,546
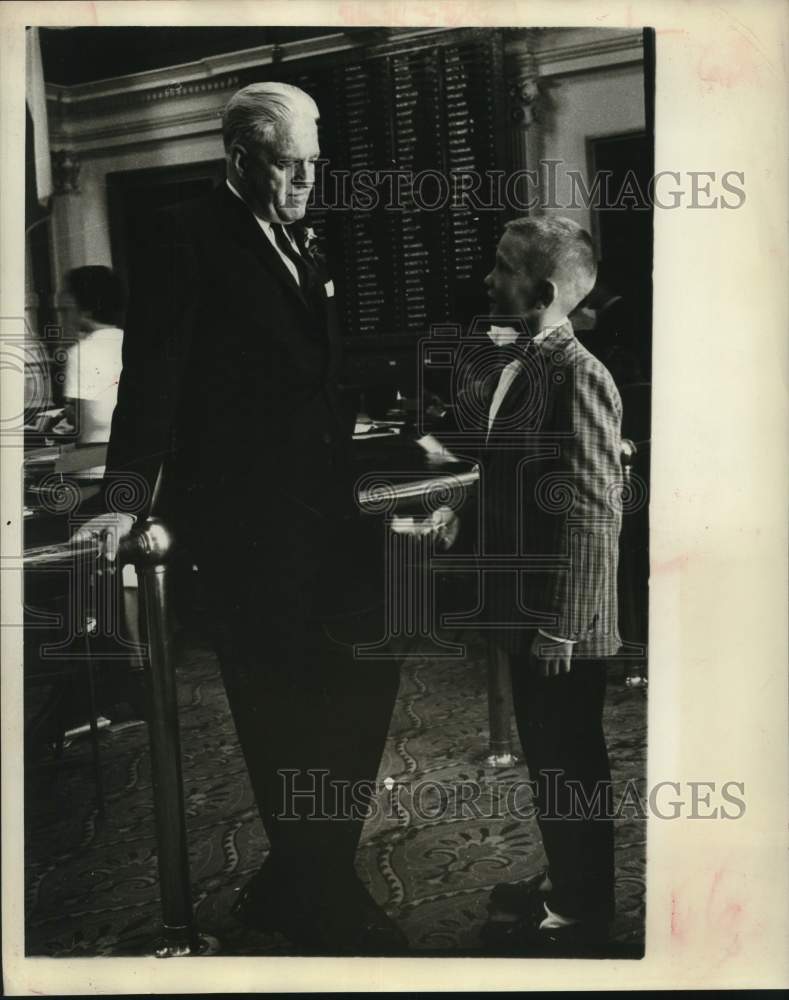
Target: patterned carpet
427,854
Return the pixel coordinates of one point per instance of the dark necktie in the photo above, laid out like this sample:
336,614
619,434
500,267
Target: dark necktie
305,270
309,280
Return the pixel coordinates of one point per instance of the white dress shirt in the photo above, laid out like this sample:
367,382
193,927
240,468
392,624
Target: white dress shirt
265,225
506,335
93,369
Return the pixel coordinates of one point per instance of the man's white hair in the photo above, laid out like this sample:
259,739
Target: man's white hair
256,114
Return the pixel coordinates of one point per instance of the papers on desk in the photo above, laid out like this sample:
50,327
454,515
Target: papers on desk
46,455
43,419
366,429
86,460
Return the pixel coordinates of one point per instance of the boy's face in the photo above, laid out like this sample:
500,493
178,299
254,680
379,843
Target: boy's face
511,289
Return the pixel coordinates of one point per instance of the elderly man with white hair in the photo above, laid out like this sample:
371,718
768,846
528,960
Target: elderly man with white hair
229,387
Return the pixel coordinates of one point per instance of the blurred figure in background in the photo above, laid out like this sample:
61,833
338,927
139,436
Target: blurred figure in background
93,364
93,319
612,323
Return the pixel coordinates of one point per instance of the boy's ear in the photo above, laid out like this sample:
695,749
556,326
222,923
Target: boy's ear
546,293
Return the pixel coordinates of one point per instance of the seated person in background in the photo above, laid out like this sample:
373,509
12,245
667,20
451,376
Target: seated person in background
93,364
94,307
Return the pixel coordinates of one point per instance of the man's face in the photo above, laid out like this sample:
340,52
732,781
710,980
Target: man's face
280,177
511,290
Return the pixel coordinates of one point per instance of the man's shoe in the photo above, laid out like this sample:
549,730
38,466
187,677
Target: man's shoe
263,904
342,920
525,937
368,930
519,897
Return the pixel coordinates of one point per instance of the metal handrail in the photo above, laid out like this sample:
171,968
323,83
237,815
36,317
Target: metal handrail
149,548
46,556
371,497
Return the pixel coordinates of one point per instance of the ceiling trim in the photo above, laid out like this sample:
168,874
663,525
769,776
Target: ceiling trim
196,77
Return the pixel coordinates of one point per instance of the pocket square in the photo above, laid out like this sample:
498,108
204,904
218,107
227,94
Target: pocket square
329,286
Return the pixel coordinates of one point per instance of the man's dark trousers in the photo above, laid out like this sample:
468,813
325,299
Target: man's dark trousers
311,717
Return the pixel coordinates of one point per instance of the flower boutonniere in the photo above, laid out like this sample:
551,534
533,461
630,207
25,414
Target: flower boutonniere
311,246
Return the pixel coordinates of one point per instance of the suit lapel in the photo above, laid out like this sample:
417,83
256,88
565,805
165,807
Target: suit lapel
327,306
251,235
529,395
517,400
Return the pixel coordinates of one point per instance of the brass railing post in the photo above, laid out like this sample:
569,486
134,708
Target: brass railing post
149,549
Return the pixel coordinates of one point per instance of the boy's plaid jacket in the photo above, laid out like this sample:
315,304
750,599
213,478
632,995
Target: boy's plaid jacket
552,490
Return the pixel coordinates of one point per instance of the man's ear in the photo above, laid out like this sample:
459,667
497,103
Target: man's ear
546,294
238,157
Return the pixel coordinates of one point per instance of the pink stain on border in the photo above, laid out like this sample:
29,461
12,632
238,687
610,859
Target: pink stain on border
678,563
726,920
730,65
425,15
677,930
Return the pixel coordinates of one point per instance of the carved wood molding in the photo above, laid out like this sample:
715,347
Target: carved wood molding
65,171
522,79
65,103
214,73
620,48
91,141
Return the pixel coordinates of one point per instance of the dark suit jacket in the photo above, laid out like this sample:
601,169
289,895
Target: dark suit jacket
552,500
229,385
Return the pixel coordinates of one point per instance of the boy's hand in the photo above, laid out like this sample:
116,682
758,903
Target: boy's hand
446,525
552,656
443,525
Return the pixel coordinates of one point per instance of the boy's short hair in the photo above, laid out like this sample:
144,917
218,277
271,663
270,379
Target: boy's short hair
554,247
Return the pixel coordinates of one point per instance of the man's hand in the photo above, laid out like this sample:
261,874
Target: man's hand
110,529
552,656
